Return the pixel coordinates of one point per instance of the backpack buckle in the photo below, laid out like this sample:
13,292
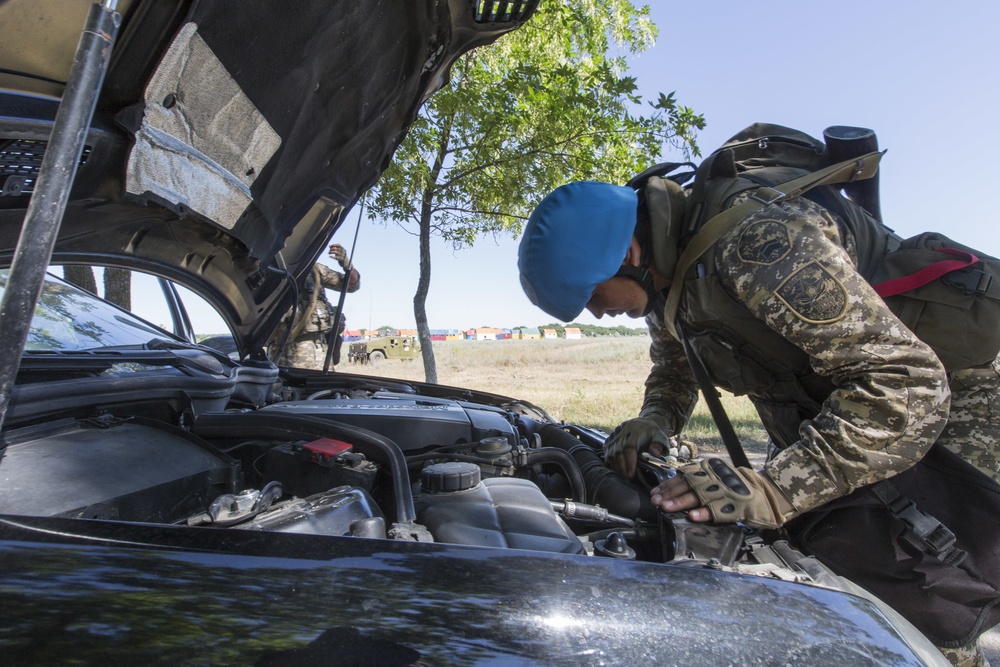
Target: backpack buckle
969,281
927,533
767,195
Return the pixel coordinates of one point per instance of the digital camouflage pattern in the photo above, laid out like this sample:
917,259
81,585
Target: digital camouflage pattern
671,394
973,430
792,266
305,353
308,348
970,655
671,390
891,398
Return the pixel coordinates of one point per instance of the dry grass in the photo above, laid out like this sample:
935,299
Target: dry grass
596,382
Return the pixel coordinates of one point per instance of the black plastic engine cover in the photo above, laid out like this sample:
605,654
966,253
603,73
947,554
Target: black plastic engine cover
412,423
129,470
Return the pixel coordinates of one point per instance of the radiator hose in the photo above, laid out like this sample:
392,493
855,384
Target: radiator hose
603,486
565,462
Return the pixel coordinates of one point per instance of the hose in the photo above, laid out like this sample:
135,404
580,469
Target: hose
479,460
567,464
264,424
604,487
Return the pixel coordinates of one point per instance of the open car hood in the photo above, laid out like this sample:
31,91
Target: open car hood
231,137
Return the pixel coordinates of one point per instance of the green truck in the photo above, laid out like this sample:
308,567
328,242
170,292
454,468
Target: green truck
374,350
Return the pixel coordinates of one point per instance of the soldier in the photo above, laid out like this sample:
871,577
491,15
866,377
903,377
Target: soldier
315,315
780,312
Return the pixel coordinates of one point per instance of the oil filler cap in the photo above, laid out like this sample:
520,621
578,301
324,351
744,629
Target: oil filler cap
448,477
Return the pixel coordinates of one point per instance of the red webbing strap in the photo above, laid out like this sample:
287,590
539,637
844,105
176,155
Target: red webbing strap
926,274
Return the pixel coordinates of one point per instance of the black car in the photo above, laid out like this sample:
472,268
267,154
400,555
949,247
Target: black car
162,502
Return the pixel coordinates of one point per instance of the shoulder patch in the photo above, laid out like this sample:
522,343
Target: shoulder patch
764,242
814,294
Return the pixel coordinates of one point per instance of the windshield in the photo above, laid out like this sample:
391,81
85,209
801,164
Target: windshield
68,318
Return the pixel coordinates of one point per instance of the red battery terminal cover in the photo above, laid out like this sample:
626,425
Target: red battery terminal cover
325,450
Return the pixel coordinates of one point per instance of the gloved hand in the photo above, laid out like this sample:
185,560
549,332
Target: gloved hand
628,440
338,253
715,490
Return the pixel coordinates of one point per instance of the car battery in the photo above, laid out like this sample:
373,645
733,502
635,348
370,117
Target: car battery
308,467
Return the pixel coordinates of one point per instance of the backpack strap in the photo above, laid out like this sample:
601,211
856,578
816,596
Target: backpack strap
729,438
928,273
854,169
922,530
662,169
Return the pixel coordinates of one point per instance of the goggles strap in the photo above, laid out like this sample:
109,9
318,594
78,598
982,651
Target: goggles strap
641,275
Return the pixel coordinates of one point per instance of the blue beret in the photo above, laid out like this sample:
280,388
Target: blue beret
575,239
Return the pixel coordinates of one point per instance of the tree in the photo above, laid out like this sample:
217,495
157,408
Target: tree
117,283
81,276
549,103
118,287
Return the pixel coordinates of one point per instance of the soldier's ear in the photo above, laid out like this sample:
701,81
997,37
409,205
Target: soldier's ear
633,256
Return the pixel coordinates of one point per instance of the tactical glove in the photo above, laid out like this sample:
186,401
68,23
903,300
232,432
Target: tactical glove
737,494
338,253
628,440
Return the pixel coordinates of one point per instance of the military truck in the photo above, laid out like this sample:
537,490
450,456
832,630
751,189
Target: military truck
374,350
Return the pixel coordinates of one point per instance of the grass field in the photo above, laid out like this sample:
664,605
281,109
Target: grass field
596,382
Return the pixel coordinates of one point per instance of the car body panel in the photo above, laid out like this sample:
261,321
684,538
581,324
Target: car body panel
163,595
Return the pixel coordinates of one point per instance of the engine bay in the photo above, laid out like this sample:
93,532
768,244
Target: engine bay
380,462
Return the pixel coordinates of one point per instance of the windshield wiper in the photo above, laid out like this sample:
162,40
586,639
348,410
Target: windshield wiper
157,352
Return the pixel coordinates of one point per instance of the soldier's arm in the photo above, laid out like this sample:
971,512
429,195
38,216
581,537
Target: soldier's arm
671,390
891,398
334,279
669,400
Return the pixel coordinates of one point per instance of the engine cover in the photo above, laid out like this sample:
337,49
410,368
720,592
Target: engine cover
410,422
124,470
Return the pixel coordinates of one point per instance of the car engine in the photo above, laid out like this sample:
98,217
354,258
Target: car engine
368,458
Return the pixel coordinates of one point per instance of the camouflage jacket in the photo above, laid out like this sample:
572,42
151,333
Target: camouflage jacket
320,320
313,317
781,314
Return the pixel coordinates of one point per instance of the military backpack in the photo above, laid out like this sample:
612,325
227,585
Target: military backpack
948,294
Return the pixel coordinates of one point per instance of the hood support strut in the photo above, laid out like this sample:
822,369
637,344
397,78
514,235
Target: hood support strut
55,180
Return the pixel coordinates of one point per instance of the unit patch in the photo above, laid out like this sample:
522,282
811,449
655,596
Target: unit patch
814,295
764,242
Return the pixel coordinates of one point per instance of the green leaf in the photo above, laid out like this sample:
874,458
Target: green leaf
546,104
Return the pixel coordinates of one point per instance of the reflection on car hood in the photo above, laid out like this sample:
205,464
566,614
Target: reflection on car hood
231,137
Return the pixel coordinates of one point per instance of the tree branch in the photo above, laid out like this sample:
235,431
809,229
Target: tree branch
542,150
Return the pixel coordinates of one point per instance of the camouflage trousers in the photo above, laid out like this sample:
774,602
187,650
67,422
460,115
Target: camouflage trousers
970,655
973,430
308,353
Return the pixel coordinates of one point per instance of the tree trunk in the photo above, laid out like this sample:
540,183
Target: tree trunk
424,281
118,287
81,276
420,297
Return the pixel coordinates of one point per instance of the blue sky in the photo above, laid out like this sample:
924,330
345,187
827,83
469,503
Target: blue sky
923,75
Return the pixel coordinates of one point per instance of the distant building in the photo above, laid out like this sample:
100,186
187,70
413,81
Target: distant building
487,333
505,334
572,332
529,333
352,334
549,333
